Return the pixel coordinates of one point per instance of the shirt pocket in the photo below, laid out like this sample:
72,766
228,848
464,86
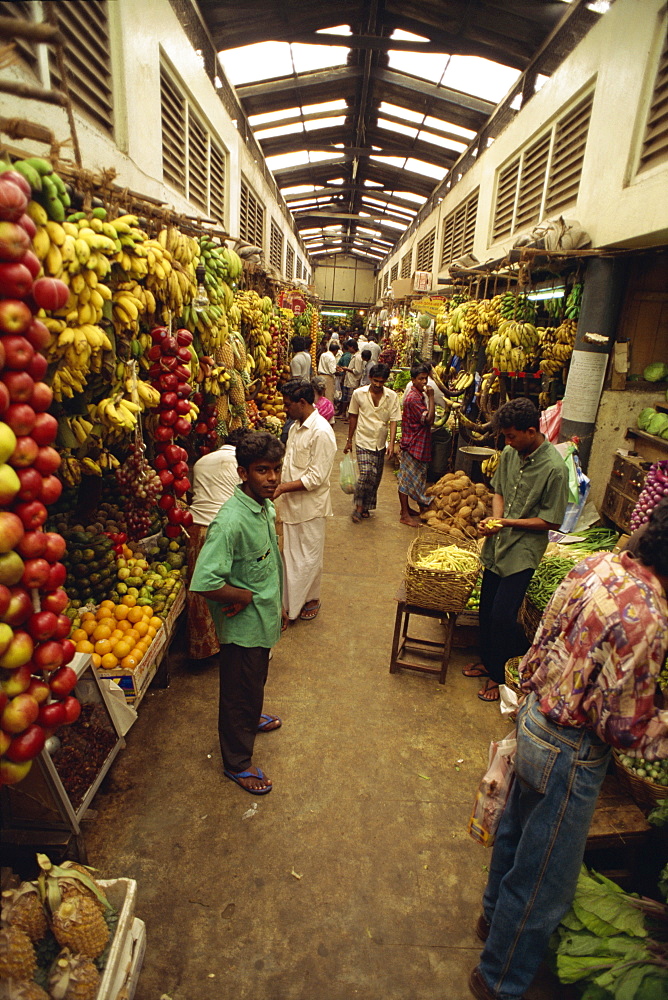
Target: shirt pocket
534,759
257,567
300,457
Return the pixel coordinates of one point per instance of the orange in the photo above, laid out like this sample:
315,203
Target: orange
147,611
123,625
120,611
122,649
79,634
135,615
102,632
141,628
128,600
109,661
132,634
155,622
89,626
96,660
129,662
87,616
151,632
103,646
116,634
144,644
104,613
107,604
85,647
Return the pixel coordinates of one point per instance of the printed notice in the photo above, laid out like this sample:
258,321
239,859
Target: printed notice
583,388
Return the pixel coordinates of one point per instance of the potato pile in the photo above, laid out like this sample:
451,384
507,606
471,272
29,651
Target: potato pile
458,505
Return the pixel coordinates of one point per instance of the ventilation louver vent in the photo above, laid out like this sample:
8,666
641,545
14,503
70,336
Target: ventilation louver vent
655,141
87,51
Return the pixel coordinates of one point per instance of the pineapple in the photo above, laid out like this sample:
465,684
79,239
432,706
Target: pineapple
22,908
78,924
73,886
237,394
14,989
17,955
226,355
73,977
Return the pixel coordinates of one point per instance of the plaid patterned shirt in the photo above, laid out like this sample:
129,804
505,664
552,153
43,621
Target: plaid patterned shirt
415,434
598,653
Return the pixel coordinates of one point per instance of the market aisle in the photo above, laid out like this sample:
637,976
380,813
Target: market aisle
355,877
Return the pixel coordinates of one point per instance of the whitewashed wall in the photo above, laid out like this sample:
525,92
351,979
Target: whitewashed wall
345,280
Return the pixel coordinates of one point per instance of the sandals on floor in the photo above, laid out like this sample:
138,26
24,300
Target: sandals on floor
308,614
267,725
356,517
474,670
490,692
235,775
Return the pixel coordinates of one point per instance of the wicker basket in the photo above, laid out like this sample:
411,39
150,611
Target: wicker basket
509,678
642,790
529,618
438,589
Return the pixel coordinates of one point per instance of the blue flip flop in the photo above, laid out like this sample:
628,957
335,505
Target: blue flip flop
265,727
235,775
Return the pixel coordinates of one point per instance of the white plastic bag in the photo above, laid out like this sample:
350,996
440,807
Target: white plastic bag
492,795
347,474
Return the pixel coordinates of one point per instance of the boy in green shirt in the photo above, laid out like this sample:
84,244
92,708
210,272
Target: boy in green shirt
240,573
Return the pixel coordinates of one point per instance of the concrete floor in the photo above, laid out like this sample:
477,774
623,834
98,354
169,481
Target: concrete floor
355,878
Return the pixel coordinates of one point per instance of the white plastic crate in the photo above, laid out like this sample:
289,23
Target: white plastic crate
122,894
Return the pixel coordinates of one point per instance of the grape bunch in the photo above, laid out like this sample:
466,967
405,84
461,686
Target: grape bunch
141,486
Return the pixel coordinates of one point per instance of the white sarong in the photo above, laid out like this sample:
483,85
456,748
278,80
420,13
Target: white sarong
303,554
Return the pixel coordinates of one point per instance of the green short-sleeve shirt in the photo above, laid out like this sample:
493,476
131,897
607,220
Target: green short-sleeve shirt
535,486
241,549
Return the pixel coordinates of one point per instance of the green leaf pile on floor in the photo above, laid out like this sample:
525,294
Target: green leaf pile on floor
614,944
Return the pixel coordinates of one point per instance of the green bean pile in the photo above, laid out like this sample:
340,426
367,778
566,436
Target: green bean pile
549,574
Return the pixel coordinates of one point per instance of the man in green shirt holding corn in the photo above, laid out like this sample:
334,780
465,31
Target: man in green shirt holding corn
240,573
530,496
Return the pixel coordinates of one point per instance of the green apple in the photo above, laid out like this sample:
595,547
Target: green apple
7,441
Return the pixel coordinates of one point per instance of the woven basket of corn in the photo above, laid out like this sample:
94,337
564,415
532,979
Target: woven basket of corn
441,571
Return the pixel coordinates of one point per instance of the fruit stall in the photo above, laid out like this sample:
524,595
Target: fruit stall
132,341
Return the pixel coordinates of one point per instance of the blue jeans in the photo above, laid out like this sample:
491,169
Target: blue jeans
539,846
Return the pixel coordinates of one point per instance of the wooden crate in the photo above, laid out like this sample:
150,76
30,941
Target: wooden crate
618,507
628,475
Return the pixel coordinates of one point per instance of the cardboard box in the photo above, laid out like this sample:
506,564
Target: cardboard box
402,287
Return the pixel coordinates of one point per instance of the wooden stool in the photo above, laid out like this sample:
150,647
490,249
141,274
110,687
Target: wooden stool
423,647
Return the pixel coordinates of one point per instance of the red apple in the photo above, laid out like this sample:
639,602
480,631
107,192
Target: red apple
15,316
19,384
33,543
172,530
16,681
11,531
72,709
173,453
166,501
11,774
184,391
44,430
47,461
168,417
13,198
154,353
32,262
14,242
187,519
52,487
184,337
181,486
21,419
55,546
33,514
175,515
5,598
38,688
11,568
49,656
56,578
24,454
163,433
182,427
4,392
159,333
42,397
69,650
166,477
168,400
63,627
31,488
160,462
50,293
182,407
56,601
9,485
18,652
19,608
19,352
19,713
169,382
27,745
38,335
180,469
15,281
63,681
35,573
38,366
14,177
25,222
52,716
41,625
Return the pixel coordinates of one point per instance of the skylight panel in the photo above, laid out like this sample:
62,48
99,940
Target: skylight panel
394,225
299,189
442,143
317,123
425,65
480,77
341,29
431,122
430,169
393,161
272,116
310,57
407,36
297,158
373,184
266,60
269,133
394,127
405,113
304,232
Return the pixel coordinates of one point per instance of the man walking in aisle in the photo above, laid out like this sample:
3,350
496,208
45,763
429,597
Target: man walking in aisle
239,573
591,678
416,421
374,347
305,502
327,368
353,374
300,366
373,409
530,496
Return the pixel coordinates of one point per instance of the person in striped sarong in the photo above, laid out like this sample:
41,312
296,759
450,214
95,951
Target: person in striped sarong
416,421
373,411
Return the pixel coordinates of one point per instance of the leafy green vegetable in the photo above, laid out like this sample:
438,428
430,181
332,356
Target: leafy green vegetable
655,372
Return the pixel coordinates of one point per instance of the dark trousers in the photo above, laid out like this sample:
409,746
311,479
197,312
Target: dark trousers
243,673
501,635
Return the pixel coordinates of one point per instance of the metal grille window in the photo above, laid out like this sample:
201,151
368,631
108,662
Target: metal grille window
532,182
216,182
394,272
505,200
406,264
570,139
251,217
25,50
197,162
459,230
425,252
275,246
289,261
173,117
87,50
655,141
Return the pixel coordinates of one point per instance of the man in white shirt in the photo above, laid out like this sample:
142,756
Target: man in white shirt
305,501
327,368
352,376
374,347
373,409
300,366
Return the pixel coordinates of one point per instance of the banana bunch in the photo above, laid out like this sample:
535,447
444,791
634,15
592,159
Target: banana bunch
557,346
488,315
489,466
69,469
517,307
461,328
147,396
574,302
89,467
80,428
514,346
47,187
107,462
76,351
184,249
130,302
210,323
463,381
216,382
489,383
70,248
117,415
252,313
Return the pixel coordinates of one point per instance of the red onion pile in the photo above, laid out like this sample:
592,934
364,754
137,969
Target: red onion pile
654,490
